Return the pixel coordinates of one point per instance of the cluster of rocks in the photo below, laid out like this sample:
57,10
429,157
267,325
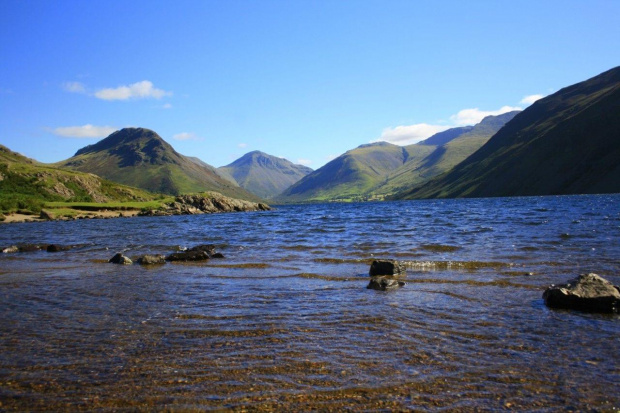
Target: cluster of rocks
207,203
36,247
197,253
587,292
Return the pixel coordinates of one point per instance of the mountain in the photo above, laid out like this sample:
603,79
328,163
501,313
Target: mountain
377,170
141,158
566,143
264,175
452,147
27,184
348,176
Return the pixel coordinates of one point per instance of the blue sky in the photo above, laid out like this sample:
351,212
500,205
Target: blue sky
301,79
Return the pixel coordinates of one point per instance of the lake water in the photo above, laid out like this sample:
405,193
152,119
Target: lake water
285,321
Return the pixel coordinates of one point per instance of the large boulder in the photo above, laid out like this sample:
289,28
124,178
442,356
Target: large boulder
588,292
387,267
208,248
384,283
120,259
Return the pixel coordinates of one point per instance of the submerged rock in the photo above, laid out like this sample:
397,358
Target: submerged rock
588,292
384,283
120,259
208,248
11,249
387,267
31,247
188,256
58,248
217,255
151,259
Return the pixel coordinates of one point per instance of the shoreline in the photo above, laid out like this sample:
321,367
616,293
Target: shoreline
17,218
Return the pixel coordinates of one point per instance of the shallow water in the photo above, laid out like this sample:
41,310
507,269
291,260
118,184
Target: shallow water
285,322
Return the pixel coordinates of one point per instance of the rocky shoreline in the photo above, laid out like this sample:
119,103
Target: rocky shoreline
205,203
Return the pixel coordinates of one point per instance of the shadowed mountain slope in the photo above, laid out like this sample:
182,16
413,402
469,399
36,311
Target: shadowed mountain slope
566,143
264,175
141,158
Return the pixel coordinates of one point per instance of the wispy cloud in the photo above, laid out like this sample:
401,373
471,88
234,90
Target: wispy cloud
186,136
410,134
475,115
87,131
528,100
305,162
242,145
167,106
74,87
138,90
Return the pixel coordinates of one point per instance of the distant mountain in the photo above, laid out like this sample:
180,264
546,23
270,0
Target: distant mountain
458,144
566,143
141,158
350,175
27,184
264,175
377,170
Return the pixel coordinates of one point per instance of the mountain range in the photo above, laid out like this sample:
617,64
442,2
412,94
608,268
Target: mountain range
566,143
376,170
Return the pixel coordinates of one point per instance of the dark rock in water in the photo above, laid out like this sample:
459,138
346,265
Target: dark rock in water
120,259
31,247
151,260
11,249
208,248
387,267
188,256
588,292
217,255
58,248
384,283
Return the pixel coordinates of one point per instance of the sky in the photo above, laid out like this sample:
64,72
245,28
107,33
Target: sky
300,79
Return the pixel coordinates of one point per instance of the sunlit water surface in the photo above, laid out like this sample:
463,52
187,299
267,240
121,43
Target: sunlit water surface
285,321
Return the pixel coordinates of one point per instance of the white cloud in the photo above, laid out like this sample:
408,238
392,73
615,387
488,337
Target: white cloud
74,87
139,90
475,115
305,162
528,100
410,134
186,136
242,145
167,106
86,131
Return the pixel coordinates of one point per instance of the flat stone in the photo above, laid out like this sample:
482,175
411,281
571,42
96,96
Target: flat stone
151,260
188,256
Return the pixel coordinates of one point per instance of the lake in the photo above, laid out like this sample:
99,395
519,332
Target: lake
285,322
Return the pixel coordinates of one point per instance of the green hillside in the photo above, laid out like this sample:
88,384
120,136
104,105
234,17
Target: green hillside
27,184
264,175
453,147
348,177
140,158
566,143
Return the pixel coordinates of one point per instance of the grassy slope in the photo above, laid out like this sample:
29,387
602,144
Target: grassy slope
27,184
348,177
263,174
566,143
